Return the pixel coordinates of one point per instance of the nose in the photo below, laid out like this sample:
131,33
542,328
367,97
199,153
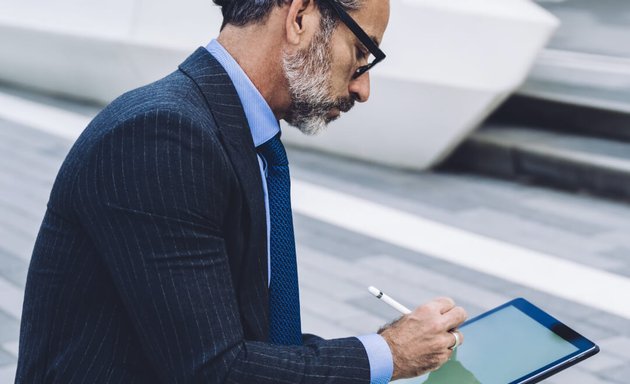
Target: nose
360,87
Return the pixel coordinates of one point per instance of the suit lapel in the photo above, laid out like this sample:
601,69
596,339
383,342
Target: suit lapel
235,134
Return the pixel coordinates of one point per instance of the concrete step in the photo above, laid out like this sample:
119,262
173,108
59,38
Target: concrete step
566,117
566,160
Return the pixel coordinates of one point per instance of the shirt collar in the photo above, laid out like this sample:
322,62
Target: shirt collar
262,121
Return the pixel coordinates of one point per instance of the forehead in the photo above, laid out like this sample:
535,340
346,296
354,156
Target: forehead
373,17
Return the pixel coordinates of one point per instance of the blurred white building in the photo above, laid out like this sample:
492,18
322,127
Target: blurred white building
450,63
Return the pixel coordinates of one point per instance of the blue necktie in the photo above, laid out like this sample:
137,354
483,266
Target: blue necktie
284,299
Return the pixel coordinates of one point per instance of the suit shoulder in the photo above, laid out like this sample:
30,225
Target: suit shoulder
169,110
175,93
165,104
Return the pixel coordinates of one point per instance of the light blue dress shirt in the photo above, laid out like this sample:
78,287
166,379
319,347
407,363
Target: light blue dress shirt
263,125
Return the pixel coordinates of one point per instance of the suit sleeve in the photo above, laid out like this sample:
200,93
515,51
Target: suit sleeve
153,196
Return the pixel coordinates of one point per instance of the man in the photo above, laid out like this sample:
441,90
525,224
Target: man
167,251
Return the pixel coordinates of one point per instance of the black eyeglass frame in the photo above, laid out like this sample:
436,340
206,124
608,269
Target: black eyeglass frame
363,37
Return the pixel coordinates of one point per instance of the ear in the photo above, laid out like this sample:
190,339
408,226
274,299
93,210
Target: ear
303,15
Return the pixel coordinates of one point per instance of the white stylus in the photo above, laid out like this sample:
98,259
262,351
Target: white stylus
392,303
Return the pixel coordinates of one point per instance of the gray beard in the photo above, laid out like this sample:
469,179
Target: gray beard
308,73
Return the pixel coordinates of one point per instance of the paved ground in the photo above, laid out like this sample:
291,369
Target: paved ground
582,229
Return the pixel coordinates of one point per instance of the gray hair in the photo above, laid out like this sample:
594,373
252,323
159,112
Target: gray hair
242,12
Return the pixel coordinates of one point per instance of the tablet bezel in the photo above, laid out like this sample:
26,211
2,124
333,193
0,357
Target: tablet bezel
586,348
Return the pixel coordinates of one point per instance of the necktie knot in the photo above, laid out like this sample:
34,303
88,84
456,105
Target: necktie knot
273,151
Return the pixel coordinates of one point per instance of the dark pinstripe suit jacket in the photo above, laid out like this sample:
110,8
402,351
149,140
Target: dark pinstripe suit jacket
151,265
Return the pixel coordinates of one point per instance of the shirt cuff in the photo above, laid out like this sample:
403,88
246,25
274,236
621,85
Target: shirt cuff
380,358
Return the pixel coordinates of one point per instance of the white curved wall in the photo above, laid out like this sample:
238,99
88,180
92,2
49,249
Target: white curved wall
95,49
450,63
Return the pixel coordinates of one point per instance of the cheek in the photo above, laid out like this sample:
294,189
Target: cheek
341,68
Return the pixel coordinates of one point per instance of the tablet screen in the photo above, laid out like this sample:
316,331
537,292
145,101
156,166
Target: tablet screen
500,348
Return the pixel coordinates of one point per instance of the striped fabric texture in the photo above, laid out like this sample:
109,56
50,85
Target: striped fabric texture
151,265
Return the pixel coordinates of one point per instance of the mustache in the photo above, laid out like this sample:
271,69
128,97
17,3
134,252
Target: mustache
344,104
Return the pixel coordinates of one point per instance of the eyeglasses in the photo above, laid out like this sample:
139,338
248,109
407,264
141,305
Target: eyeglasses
361,35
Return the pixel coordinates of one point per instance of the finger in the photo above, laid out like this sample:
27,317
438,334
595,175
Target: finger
455,317
443,304
461,336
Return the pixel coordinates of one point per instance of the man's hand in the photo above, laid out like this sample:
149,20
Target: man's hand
420,341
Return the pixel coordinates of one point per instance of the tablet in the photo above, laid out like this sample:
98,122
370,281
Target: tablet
516,343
